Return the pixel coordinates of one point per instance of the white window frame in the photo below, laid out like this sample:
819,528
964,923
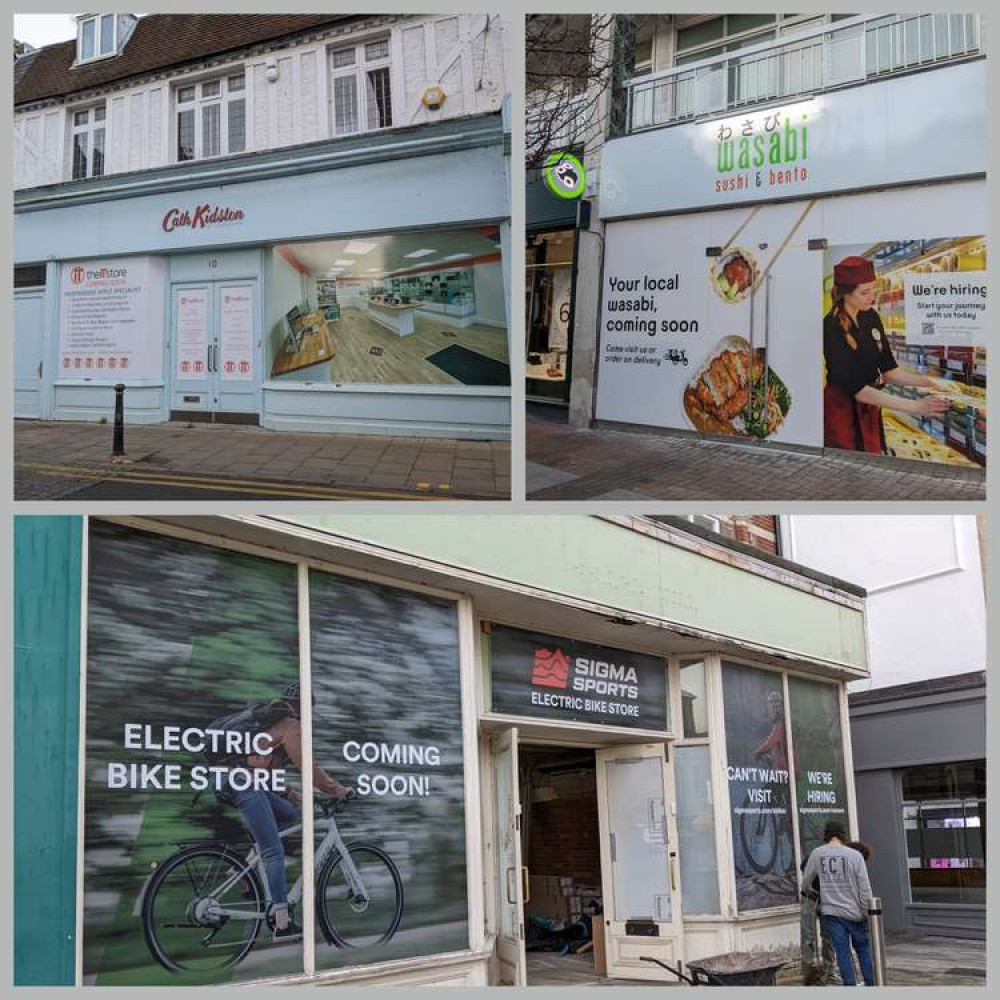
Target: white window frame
89,128
96,20
359,70
199,102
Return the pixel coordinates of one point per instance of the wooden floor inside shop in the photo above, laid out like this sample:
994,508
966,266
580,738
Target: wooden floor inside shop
548,968
403,360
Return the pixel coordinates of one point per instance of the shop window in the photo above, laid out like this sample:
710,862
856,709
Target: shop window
183,638
362,91
818,742
424,308
29,276
758,774
549,307
696,830
88,131
944,823
211,118
694,699
372,647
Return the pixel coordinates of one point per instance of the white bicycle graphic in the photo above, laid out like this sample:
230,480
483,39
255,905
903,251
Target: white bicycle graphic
205,905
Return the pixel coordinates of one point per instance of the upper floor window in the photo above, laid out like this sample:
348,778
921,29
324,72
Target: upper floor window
362,95
729,32
88,142
101,35
211,118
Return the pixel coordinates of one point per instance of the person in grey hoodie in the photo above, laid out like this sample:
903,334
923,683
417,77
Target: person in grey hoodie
845,893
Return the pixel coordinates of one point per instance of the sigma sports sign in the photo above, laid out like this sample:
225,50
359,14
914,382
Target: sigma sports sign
556,678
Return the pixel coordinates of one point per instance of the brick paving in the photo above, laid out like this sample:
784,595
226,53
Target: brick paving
54,460
565,463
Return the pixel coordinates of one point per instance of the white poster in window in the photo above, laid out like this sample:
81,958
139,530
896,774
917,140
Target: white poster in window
191,335
111,319
236,330
945,308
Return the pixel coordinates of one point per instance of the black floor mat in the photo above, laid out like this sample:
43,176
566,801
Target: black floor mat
471,367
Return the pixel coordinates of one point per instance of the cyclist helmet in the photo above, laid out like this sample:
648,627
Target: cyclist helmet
290,696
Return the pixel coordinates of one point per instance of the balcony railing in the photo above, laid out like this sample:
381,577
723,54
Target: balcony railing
817,59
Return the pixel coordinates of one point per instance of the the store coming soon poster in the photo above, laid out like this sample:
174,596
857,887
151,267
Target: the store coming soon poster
192,754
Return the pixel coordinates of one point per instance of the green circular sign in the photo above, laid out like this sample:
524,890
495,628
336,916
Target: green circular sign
565,176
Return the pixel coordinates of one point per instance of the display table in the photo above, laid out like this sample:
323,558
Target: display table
399,319
316,347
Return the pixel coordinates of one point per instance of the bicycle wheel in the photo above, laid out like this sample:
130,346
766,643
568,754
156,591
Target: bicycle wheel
352,919
759,837
181,932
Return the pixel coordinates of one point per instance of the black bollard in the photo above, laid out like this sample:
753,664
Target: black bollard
118,440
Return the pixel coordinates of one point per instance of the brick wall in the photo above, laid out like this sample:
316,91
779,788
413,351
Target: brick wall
563,836
758,530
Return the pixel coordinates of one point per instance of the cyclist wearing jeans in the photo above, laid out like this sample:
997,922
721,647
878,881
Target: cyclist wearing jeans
266,812
845,893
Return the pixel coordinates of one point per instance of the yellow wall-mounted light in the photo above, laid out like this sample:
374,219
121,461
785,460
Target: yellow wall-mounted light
433,98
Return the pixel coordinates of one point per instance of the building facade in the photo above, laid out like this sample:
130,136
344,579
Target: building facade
296,221
773,185
918,723
487,688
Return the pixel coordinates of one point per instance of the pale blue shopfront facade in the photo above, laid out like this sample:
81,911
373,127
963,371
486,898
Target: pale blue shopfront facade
449,176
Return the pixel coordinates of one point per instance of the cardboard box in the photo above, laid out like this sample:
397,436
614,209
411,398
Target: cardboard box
546,899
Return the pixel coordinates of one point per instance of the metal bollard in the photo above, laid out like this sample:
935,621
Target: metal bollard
118,438
876,934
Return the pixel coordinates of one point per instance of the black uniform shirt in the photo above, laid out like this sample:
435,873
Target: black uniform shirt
849,369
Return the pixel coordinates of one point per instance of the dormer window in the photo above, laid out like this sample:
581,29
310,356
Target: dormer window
99,36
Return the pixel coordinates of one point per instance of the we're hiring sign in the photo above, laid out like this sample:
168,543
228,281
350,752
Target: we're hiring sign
553,677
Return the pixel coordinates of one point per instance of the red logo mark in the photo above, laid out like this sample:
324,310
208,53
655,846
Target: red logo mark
244,366
76,275
230,366
551,669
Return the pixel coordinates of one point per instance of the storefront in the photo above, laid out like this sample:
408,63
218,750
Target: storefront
705,745
359,285
550,279
720,312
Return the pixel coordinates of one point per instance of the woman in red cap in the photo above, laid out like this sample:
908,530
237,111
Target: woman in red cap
859,363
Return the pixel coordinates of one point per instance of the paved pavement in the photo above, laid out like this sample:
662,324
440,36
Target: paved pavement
565,463
60,461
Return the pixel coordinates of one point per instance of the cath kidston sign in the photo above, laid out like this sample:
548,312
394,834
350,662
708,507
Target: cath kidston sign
111,319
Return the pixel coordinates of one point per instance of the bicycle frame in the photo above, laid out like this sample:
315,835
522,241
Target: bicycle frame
331,842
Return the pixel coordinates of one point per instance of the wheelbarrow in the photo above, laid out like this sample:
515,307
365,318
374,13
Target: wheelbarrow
744,970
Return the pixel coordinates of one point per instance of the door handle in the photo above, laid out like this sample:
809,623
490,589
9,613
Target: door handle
673,872
511,892
525,885
208,358
215,357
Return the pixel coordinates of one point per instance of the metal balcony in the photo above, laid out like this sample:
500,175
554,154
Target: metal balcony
811,61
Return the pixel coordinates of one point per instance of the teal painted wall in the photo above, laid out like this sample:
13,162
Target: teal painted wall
596,560
47,575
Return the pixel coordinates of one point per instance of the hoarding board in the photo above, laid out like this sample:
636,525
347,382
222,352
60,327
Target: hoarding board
111,318
926,324
692,304
556,678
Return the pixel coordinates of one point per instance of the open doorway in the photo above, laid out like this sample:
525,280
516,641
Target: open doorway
560,846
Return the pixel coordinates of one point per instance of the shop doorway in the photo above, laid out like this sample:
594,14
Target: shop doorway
550,262
587,866
29,323
214,347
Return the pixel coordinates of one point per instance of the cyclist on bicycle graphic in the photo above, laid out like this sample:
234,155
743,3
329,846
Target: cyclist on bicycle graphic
776,743
266,812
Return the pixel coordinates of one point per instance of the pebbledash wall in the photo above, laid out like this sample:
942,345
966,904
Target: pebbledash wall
148,228
363,610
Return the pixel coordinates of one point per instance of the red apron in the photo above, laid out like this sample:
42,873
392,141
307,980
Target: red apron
850,424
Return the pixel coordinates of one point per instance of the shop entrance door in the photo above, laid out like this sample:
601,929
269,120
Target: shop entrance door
639,864
510,877
29,325
214,348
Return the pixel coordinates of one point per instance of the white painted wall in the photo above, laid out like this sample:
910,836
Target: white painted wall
926,603
463,53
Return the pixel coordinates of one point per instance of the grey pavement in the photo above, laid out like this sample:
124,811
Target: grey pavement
60,460
565,463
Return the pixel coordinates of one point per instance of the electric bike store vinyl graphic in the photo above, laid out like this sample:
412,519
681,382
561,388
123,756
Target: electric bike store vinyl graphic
557,678
759,788
192,809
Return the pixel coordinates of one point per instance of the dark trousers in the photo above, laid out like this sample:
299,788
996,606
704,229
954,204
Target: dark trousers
845,933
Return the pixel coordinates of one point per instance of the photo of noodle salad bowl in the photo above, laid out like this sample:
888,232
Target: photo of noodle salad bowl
735,392
733,274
